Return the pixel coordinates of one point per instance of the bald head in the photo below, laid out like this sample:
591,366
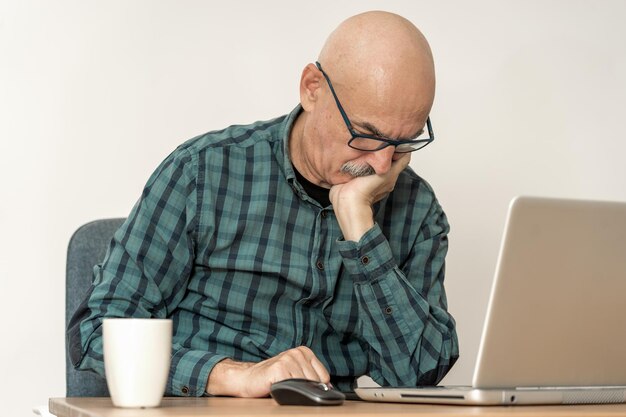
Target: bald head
383,84
383,55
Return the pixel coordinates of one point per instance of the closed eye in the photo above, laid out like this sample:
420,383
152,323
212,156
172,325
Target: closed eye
371,130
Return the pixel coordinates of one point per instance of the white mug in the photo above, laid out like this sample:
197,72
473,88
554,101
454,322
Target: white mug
137,355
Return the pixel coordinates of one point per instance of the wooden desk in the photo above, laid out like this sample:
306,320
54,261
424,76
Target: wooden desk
233,407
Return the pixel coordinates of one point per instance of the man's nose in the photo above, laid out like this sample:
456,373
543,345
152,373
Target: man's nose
381,160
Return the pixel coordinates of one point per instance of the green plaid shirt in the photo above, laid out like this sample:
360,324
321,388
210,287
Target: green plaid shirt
226,242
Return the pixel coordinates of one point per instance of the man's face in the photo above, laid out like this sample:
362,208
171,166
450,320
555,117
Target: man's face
338,163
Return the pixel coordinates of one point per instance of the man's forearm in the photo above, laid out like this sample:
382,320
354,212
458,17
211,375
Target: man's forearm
403,313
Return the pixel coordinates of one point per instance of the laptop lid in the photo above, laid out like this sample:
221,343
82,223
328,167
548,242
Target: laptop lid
557,311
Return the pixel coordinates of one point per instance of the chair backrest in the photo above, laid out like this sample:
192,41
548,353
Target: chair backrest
87,248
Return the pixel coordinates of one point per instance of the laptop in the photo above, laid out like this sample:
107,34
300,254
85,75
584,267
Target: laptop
555,330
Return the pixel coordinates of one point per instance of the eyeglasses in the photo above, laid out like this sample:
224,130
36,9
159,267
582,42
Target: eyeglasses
364,142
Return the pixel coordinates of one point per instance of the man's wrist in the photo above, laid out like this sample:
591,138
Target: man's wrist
355,221
225,378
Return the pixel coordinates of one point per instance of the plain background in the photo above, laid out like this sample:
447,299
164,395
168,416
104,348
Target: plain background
94,94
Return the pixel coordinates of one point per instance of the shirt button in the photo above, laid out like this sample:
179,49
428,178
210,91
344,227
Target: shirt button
320,265
388,310
365,260
324,214
185,390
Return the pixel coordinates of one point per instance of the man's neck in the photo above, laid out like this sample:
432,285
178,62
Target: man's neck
298,152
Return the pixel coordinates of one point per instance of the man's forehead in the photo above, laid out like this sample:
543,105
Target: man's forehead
398,115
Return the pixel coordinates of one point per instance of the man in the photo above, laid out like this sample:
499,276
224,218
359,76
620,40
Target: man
298,247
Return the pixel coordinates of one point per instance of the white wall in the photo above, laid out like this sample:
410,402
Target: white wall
94,94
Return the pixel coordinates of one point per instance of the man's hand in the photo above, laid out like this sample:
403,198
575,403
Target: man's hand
246,379
353,200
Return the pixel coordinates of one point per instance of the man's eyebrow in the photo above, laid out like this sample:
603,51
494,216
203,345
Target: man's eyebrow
371,128
376,132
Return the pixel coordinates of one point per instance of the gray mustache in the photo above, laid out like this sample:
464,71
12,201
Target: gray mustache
357,170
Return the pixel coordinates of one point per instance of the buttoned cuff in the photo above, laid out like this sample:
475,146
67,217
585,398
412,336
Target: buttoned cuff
370,264
369,258
189,372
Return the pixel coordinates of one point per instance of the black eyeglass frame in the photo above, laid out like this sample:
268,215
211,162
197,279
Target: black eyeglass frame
384,142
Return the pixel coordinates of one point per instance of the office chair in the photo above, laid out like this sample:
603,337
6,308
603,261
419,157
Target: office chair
87,248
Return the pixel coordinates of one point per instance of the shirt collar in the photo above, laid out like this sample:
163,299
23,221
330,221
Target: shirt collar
286,127
287,165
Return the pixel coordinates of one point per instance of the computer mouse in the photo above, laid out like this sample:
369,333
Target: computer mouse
299,391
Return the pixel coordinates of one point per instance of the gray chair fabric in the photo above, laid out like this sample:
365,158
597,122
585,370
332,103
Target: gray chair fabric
87,248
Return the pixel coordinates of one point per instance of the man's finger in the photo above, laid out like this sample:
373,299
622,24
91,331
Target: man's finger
399,164
313,363
310,373
320,370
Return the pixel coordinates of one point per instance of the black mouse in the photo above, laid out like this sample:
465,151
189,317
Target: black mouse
299,391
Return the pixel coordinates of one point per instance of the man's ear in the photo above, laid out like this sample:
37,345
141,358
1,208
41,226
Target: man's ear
310,83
